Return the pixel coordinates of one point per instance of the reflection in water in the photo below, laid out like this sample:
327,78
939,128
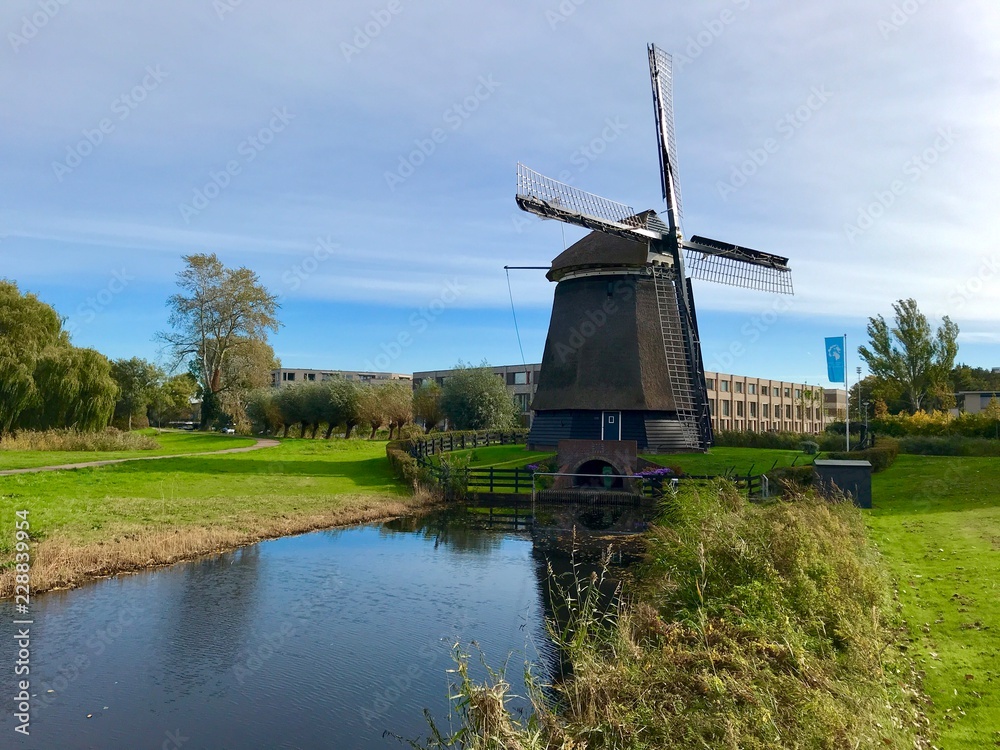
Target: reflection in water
454,530
324,640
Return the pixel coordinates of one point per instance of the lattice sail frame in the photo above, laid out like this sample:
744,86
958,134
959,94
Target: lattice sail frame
723,269
661,73
552,199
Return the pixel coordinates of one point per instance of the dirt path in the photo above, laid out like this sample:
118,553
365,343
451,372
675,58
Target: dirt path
263,443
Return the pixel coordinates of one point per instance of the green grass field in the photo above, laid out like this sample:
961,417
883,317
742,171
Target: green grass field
298,476
171,443
937,523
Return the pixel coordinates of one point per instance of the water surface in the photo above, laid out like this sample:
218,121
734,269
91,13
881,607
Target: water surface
325,640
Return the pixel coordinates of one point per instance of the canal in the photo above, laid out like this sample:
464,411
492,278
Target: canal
333,639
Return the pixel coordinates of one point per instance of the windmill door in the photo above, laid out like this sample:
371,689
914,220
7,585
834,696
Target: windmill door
611,427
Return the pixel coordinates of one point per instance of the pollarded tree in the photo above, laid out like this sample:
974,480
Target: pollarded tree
263,412
475,398
292,404
909,355
344,405
371,409
427,405
215,313
397,396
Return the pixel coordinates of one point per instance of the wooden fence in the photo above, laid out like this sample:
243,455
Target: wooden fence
517,480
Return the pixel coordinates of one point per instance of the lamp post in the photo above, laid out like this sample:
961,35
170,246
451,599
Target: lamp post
858,370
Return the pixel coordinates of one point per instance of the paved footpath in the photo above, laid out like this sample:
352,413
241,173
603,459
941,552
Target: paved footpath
264,443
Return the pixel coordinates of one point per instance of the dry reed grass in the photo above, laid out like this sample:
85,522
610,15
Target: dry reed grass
76,440
59,563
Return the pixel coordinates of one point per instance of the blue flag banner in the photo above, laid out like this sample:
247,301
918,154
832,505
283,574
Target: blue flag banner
835,359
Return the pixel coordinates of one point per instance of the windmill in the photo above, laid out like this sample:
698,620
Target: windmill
622,357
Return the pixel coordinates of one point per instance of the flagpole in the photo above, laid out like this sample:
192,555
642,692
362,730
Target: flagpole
847,401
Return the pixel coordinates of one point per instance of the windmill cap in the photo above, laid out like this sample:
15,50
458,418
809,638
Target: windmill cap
601,250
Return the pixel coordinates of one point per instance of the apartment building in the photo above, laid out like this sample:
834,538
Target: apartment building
293,376
521,381
743,403
737,402
973,402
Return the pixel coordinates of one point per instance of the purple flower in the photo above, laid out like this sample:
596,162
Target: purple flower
533,467
663,471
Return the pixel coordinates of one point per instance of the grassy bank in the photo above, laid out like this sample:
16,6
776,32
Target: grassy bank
171,443
937,522
751,627
91,522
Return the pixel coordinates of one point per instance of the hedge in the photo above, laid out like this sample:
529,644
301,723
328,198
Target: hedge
404,465
779,440
951,445
881,457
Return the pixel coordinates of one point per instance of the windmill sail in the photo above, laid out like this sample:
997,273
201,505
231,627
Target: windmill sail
725,263
662,78
552,199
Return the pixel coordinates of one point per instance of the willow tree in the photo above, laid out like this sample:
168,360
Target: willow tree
213,317
27,327
909,354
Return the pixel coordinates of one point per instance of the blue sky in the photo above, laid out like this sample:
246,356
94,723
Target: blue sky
361,158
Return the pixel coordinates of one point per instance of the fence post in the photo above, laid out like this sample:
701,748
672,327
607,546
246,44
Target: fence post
463,441
517,480
491,479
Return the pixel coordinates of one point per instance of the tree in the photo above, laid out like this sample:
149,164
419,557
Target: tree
74,389
343,405
247,368
294,409
217,313
427,405
263,412
171,399
397,397
27,327
46,382
475,398
908,354
371,409
137,382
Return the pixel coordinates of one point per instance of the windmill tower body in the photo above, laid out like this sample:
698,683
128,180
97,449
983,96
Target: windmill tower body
622,357
616,360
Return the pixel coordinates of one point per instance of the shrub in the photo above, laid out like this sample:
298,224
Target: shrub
881,457
109,439
949,445
810,447
740,439
403,465
794,478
